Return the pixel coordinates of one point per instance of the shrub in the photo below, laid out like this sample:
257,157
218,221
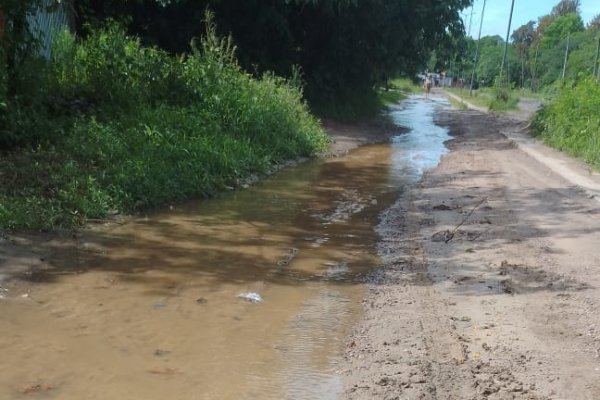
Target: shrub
504,98
133,127
572,123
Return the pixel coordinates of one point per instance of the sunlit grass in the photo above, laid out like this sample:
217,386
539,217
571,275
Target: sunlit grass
571,123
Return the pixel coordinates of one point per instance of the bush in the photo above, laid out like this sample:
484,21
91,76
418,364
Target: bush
504,97
572,122
132,127
111,73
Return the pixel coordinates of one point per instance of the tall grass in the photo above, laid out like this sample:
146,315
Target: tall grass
571,123
131,127
395,91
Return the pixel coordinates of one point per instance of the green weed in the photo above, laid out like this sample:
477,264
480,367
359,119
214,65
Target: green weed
571,123
130,127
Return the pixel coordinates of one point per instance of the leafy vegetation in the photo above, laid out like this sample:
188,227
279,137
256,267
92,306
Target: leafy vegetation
396,90
494,99
114,123
345,49
572,123
115,126
535,65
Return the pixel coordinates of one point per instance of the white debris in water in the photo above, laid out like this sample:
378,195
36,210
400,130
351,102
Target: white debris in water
251,297
319,241
336,269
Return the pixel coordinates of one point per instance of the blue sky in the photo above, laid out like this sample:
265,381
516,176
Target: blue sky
495,20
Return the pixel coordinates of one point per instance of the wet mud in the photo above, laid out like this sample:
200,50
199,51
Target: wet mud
490,285
151,308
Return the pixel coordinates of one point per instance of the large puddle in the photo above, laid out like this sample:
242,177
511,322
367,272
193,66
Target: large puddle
150,309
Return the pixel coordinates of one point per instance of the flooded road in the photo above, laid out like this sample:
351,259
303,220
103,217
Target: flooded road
151,309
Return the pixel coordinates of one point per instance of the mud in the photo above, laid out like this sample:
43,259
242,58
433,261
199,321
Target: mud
491,284
489,287
249,295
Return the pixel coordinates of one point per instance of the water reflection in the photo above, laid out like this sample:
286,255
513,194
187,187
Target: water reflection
150,309
423,146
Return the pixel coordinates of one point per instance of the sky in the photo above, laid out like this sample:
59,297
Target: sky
495,19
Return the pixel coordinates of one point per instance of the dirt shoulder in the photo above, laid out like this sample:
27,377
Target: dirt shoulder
491,281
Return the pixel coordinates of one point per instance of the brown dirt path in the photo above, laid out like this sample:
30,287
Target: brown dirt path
491,281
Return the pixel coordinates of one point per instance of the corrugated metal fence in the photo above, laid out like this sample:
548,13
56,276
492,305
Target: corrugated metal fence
47,23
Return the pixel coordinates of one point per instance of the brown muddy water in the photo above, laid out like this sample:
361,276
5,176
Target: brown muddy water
150,309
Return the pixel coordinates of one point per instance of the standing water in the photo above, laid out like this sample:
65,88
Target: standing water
152,309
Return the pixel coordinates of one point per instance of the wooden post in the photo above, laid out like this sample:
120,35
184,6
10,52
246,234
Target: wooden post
522,73
533,70
566,57
596,69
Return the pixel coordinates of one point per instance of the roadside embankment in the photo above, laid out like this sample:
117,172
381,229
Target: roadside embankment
120,128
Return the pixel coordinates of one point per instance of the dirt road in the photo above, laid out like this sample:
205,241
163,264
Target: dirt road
490,288
491,283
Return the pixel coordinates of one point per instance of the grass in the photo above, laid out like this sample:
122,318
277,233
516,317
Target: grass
459,105
397,90
530,94
571,123
490,98
479,98
111,126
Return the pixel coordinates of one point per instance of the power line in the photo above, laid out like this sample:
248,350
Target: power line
471,18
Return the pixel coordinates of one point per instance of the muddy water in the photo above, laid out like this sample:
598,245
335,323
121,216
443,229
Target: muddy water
150,309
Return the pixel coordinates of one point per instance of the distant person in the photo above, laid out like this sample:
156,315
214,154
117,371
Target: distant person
427,86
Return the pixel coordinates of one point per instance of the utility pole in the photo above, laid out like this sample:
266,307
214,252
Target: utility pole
596,69
566,57
533,70
477,50
522,73
598,74
512,7
468,34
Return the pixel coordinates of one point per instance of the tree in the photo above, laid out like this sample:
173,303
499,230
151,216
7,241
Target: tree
18,41
524,34
560,28
523,38
340,45
565,7
594,24
490,58
582,55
